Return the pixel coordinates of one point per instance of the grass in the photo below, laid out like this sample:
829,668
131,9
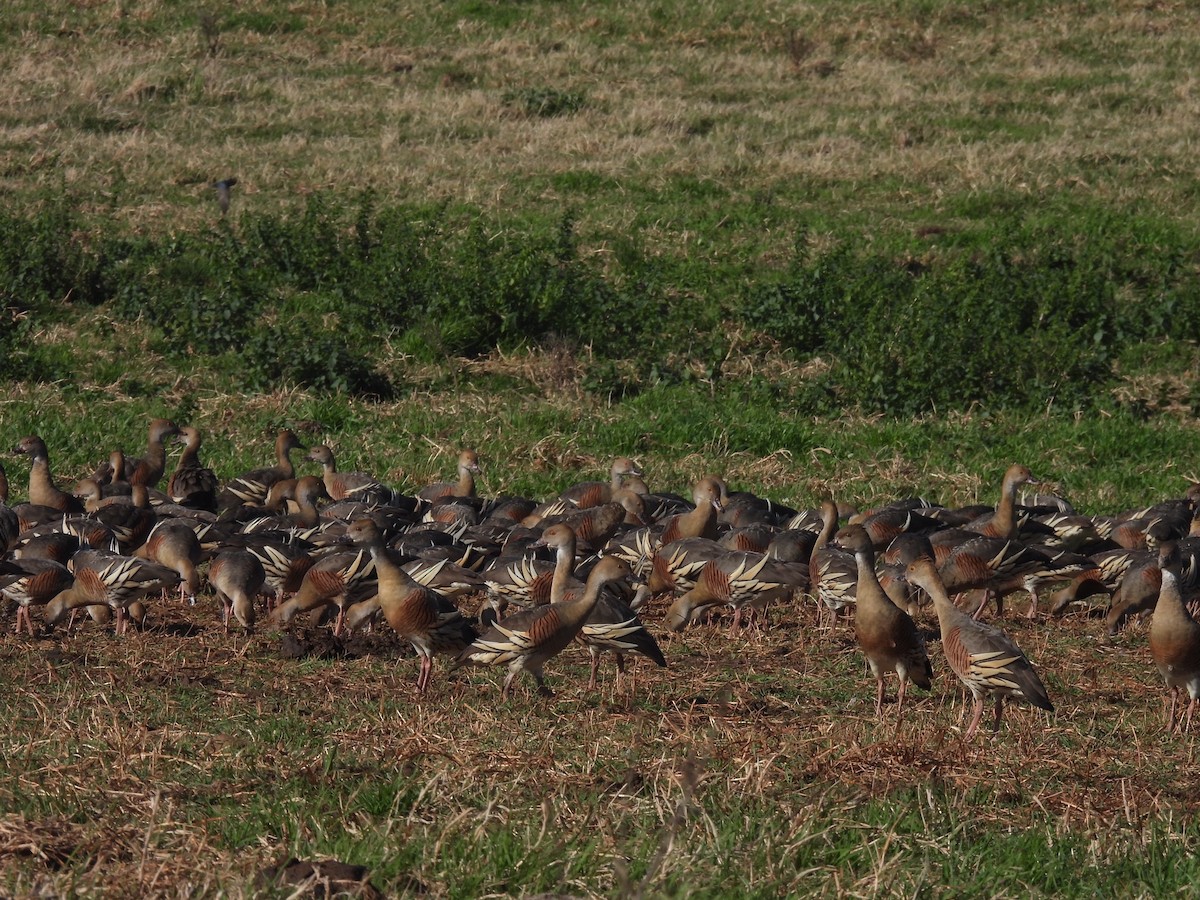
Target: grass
751,767
935,100
704,155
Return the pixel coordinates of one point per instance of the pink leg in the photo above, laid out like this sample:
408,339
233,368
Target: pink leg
976,716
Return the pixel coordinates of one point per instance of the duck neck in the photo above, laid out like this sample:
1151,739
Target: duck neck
1169,609
283,460
829,521
41,483
574,613
190,457
700,521
947,612
1004,521
466,483
307,515
564,567
869,589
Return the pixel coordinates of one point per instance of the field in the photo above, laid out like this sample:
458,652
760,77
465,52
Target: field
860,250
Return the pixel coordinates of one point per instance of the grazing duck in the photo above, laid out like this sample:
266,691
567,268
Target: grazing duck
34,582
968,561
285,560
340,579
887,634
1102,577
423,617
110,579
192,484
348,485
586,494
468,468
528,639
251,487
984,658
174,545
735,578
237,576
1175,642
42,490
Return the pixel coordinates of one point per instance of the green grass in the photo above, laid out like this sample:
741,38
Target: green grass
798,247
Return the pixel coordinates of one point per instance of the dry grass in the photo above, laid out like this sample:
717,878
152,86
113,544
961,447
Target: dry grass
133,761
136,111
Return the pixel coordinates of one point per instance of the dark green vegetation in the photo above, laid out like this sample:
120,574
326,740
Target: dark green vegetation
857,249
1038,311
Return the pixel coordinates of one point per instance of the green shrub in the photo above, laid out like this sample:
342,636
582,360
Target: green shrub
1035,310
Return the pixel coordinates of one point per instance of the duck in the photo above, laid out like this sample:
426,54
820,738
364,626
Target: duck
251,487
701,520
131,522
1175,642
237,577
832,574
586,494
348,485
307,522
527,640
192,484
33,582
612,626
284,557
10,522
174,544
676,566
338,579
149,469
468,468
42,489
109,579
421,616
1002,522
886,634
985,659
526,581
734,578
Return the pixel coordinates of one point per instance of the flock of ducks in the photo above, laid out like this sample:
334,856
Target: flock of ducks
579,568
